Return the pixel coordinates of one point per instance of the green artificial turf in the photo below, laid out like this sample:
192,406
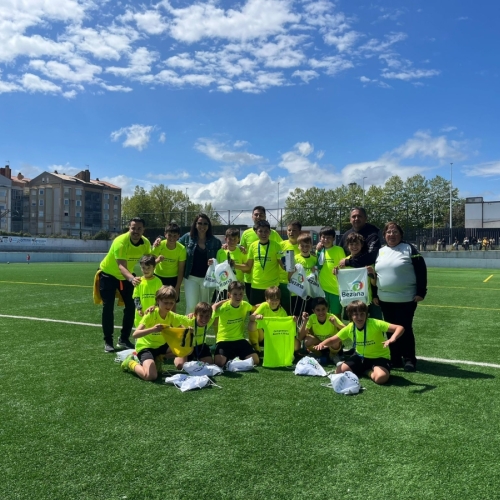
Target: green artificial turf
74,426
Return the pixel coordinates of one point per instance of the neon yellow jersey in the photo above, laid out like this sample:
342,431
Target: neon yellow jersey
248,237
146,292
329,259
285,246
307,262
267,312
123,249
237,255
232,320
199,331
266,267
373,346
169,267
154,340
321,330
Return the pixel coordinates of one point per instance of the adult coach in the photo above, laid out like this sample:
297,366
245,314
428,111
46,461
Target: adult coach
249,236
116,274
370,233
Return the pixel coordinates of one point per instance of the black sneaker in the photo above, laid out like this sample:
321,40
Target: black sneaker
409,367
124,344
108,347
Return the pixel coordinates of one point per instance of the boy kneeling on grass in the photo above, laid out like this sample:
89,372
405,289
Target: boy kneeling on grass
231,342
150,345
372,349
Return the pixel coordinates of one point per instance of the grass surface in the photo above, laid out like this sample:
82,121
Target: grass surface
74,426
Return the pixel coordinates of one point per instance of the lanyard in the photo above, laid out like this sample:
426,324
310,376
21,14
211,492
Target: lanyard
196,350
265,256
354,338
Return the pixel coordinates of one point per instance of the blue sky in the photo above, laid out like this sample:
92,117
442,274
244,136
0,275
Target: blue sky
227,99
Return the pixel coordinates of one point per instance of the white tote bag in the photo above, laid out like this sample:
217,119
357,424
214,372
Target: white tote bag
224,275
309,366
353,285
315,290
240,365
344,383
200,368
298,282
210,281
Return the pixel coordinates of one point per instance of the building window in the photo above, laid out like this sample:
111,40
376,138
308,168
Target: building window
106,206
66,190
40,213
3,192
106,196
66,214
40,191
116,198
106,217
105,227
40,225
66,201
78,192
33,192
78,214
40,202
33,203
78,203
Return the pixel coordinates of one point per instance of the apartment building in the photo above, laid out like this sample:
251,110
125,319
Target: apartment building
71,205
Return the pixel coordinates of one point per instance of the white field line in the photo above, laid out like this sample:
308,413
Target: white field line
438,360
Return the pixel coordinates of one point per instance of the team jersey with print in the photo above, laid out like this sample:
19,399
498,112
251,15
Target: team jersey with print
322,330
267,312
123,249
145,291
154,340
307,262
232,320
328,259
237,255
248,237
285,246
199,331
370,345
169,267
266,267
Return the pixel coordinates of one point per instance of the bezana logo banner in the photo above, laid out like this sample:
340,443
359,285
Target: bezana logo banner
353,285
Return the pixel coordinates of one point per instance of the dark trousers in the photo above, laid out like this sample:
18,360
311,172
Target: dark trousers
401,313
107,288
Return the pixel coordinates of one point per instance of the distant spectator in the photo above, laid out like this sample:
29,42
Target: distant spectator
466,243
424,244
438,244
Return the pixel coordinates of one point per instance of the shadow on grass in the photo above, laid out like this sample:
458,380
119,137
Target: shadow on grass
449,370
398,381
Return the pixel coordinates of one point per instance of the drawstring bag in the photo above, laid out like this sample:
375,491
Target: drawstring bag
353,285
210,281
186,383
224,275
298,282
315,290
178,378
200,368
309,366
240,365
346,383
120,356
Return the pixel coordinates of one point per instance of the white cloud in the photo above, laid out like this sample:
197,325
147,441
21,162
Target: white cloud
450,128
375,45
162,137
305,75
364,79
331,64
78,72
256,19
168,177
487,169
422,144
149,21
128,183
219,152
64,169
140,63
411,74
136,136
115,88
33,83
343,42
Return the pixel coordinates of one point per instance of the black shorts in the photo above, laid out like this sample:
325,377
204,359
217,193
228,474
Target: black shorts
152,353
257,296
200,351
169,282
231,349
359,365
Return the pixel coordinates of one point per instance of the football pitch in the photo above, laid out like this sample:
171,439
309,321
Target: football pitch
74,426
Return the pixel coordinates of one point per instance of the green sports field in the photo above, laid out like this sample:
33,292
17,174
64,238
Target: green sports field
74,426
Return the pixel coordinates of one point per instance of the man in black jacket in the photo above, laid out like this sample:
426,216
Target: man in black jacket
370,233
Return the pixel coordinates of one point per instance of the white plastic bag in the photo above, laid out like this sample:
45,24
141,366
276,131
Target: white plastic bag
344,383
240,365
315,289
224,275
309,366
190,383
121,355
178,378
353,285
298,282
210,281
200,368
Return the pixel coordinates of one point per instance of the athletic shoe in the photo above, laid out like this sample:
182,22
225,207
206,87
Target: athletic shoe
124,344
410,367
108,347
126,362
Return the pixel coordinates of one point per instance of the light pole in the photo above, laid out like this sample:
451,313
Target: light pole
363,204
451,199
